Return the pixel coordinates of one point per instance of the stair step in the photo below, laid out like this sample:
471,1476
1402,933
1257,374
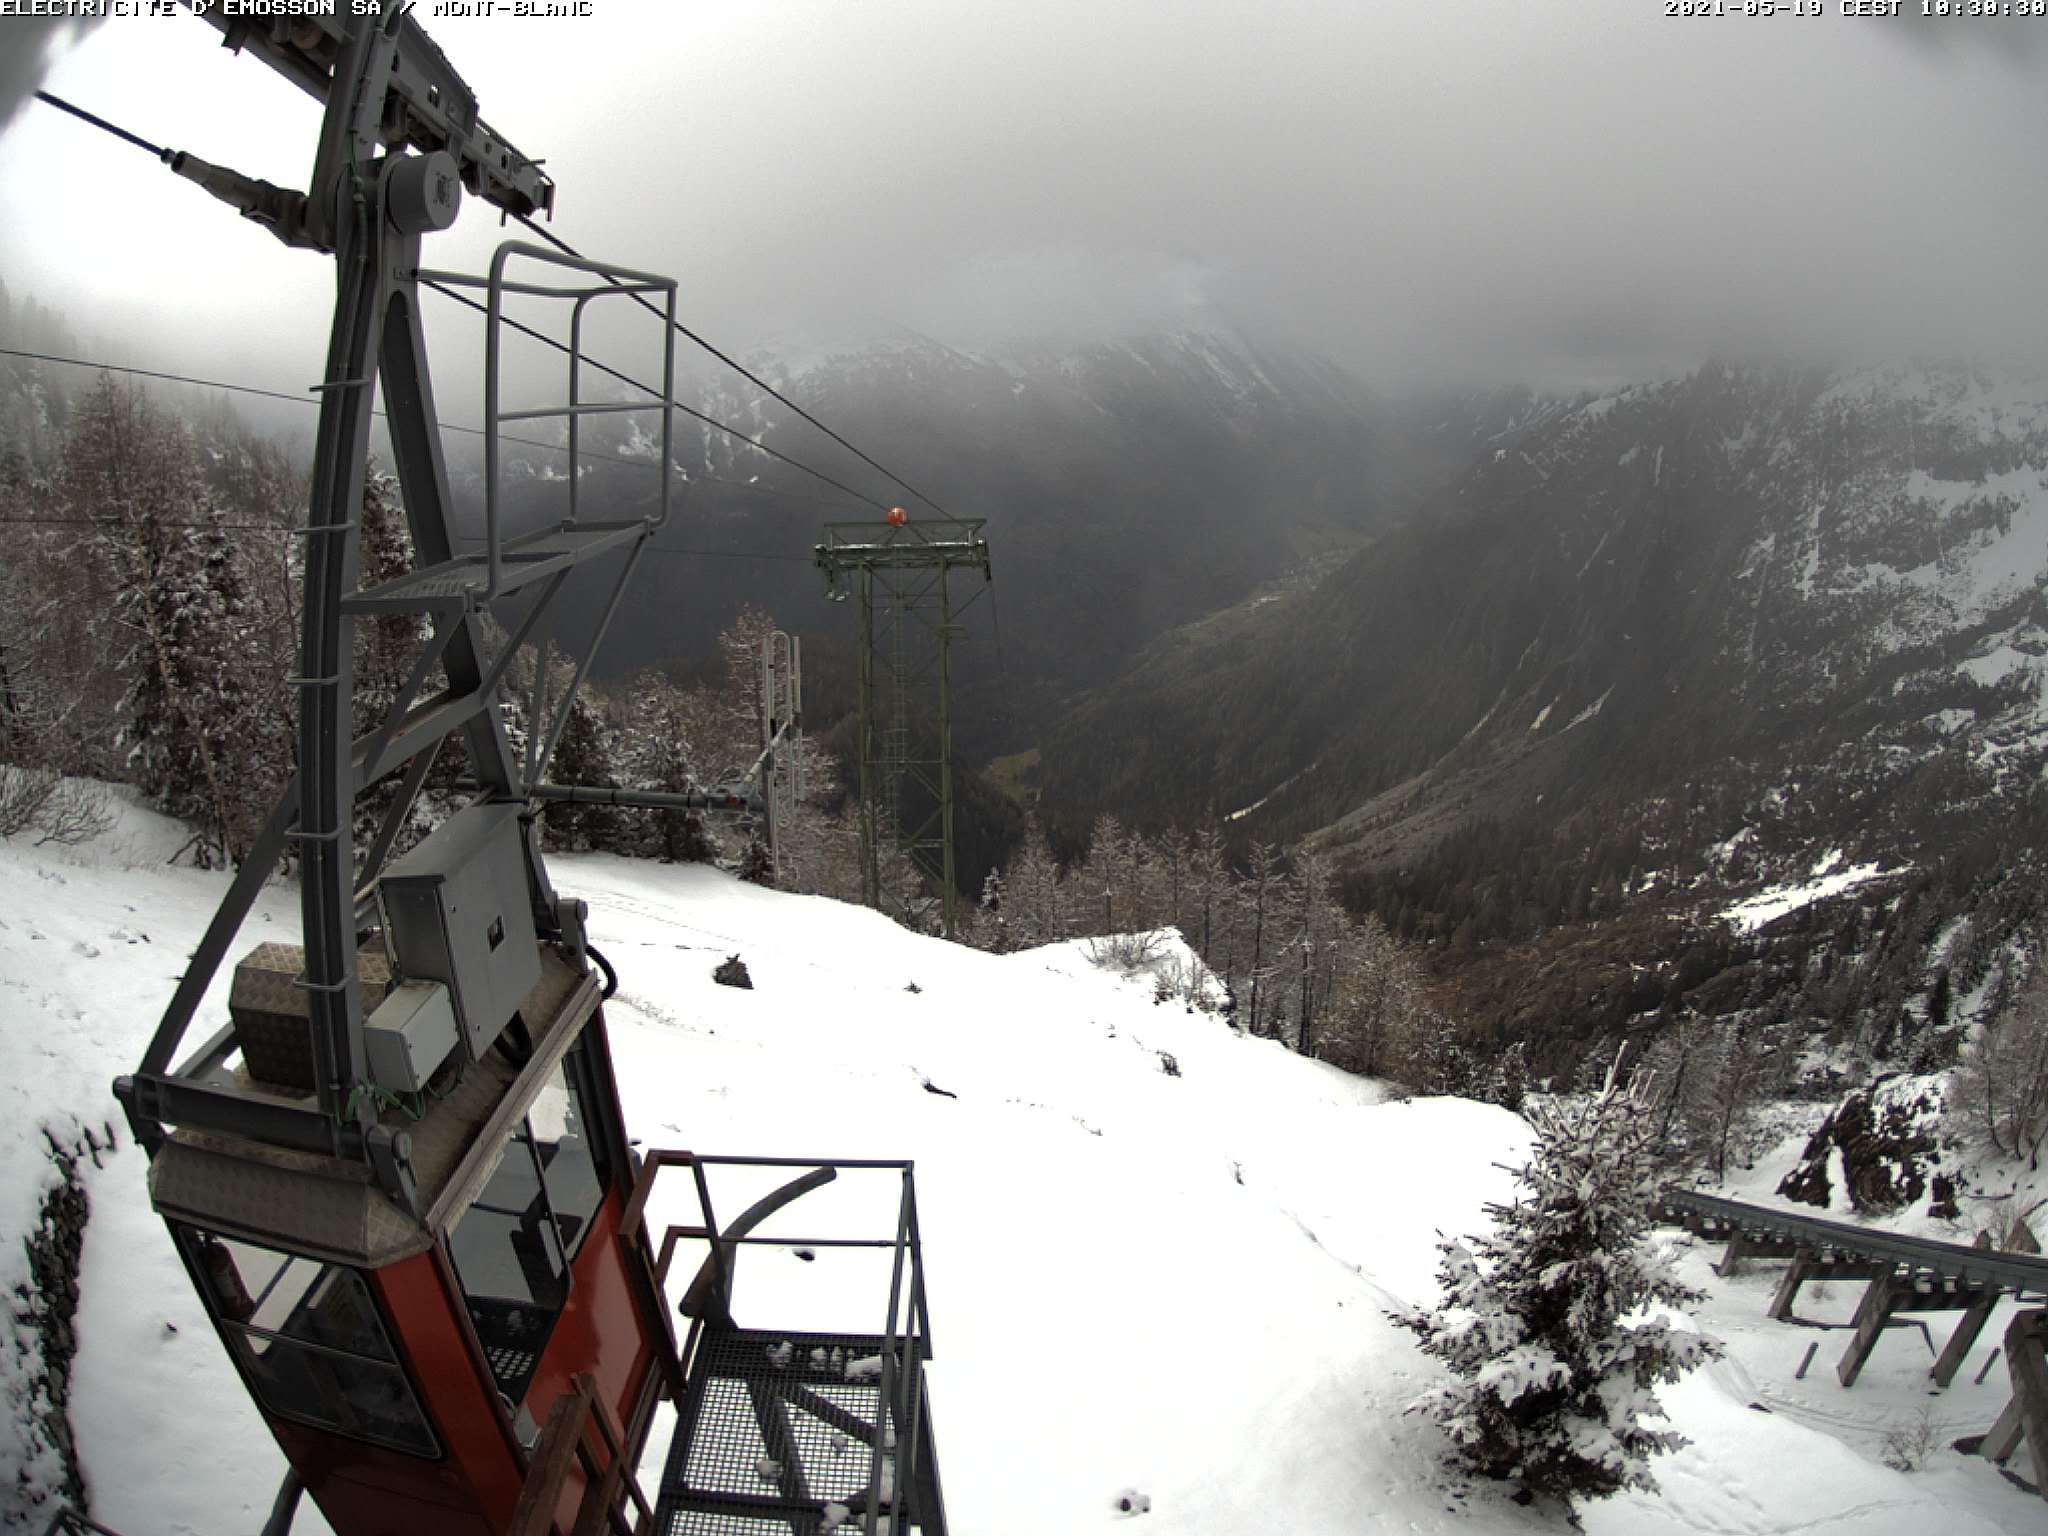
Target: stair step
772,1431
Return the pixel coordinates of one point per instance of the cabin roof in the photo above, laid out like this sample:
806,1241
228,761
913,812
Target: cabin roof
331,1207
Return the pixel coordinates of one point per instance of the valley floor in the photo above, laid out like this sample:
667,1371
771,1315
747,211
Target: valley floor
1168,1283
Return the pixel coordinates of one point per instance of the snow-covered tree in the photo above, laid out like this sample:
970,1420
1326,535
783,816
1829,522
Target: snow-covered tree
1710,1077
1503,1079
992,931
1207,892
1170,875
2000,1089
1316,950
1103,886
182,605
1034,893
1264,916
1552,1385
1368,1026
656,752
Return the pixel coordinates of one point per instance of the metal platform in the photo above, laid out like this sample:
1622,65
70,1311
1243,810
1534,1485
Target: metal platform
779,1427
798,1433
471,581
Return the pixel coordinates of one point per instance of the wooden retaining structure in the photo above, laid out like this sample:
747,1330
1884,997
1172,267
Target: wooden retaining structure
1902,1275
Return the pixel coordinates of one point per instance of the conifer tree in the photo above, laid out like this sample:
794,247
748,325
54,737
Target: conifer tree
656,752
1035,893
180,603
992,932
1550,1386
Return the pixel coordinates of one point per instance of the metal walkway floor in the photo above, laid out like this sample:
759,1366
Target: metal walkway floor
778,1428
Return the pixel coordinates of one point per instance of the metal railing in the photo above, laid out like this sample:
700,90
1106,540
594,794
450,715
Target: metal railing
898,1429
611,281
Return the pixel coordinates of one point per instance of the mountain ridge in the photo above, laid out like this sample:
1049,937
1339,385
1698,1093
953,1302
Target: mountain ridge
1772,610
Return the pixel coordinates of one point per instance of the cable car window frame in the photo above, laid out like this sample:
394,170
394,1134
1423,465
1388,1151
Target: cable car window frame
258,1370
595,1128
581,1082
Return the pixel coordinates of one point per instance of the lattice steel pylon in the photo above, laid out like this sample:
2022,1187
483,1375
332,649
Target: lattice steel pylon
901,573
401,143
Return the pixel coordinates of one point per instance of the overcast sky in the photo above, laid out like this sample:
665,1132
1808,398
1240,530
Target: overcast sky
1559,193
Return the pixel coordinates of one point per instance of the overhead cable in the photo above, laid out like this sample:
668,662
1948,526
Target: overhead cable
113,524
446,426
709,421
100,122
746,373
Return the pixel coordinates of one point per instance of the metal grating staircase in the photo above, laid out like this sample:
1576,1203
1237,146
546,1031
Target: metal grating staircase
799,1433
775,1432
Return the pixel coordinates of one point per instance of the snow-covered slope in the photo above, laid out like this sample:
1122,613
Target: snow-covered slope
1138,1280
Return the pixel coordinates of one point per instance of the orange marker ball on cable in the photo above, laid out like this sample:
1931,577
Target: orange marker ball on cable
898,517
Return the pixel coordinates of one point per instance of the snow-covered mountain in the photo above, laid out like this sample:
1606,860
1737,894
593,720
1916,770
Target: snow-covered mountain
1645,654
1127,487
1174,1283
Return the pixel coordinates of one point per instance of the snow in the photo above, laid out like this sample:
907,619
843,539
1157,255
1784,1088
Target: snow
1949,721
1281,787
1597,548
2000,660
1542,715
1722,852
1826,879
85,967
1591,709
1998,563
1752,1405
1137,1282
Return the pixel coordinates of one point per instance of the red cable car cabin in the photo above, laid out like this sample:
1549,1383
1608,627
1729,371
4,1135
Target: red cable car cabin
406,1366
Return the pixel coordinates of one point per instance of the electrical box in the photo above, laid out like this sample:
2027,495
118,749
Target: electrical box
410,1034
457,911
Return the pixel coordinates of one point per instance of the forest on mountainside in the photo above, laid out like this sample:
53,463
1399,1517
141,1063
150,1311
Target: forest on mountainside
150,624
152,613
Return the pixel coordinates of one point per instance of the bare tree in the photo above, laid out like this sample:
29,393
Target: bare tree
1317,946
2000,1085
1035,895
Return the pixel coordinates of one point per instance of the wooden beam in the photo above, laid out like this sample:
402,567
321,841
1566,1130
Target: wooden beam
1739,1245
1964,1338
1871,1315
2004,1437
1788,1288
2026,1357
534,1515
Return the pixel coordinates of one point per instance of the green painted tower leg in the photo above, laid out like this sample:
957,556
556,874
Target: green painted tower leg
902,571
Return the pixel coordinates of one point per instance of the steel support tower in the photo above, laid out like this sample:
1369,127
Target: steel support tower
401,142
901,572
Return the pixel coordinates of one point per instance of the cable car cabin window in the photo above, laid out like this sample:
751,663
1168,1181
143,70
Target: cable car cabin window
571,1147
311,1341
508,1255
513,1246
